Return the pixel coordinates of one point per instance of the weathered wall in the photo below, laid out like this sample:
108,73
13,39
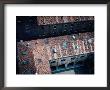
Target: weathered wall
68,45
25,59
44,20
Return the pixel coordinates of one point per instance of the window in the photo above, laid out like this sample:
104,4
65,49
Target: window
64,45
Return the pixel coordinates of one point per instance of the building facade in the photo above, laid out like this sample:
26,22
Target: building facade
46,55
